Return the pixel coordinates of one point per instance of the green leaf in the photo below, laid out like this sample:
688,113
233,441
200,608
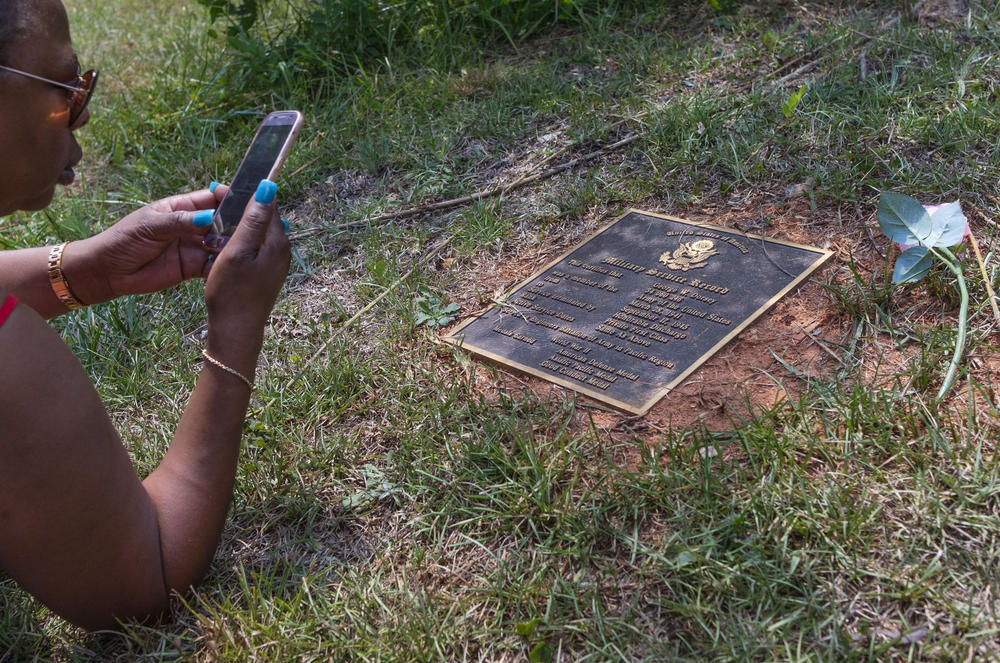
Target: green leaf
912,265
793,100
951,223
433,312
903,219
540,653
683,559
527,629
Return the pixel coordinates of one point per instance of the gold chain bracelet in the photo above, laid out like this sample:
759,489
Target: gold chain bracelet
57,279
215,362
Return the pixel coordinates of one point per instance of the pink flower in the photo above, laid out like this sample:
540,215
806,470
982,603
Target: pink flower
930,209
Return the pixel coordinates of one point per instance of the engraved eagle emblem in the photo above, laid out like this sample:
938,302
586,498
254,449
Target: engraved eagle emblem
689,255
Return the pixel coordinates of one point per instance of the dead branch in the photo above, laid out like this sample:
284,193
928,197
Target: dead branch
471,198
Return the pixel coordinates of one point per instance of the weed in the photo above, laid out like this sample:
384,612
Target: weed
432,311
792,102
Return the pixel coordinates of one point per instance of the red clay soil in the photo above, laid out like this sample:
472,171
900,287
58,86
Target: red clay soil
805,329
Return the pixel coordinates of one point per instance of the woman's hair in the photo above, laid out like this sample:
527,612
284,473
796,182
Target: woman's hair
13,21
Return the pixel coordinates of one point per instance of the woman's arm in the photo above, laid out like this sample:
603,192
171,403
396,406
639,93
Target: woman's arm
77,527
151,249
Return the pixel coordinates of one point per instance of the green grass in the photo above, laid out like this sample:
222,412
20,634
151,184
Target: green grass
391,507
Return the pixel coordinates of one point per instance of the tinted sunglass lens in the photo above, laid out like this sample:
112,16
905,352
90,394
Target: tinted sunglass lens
82,96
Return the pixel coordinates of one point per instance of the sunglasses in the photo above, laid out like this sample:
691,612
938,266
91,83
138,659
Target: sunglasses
79,89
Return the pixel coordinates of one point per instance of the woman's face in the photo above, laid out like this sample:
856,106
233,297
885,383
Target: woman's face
37,146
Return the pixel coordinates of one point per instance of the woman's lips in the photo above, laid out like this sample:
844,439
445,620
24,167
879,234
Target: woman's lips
68,175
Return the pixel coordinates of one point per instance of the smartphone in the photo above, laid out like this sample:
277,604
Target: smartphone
263,160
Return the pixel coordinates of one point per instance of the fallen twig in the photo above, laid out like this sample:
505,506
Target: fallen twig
464,200
488,193
986,278
821,346
868,230
865,40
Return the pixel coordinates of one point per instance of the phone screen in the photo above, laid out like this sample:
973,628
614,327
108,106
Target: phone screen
255,167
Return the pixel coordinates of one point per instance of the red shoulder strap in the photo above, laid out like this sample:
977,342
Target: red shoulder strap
7,306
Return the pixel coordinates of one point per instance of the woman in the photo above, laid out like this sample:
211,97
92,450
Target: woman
78,529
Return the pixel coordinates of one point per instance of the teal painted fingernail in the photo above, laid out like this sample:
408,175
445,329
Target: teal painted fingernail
266,191
211,258
203,218
287,226
213,186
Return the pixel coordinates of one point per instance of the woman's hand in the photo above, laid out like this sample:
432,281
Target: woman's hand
154,248
244,281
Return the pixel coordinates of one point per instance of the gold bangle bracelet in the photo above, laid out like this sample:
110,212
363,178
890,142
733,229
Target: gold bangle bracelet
215,362
57,279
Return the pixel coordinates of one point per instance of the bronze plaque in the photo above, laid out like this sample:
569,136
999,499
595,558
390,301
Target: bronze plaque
628,314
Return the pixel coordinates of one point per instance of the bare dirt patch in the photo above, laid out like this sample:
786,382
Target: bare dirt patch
804,336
